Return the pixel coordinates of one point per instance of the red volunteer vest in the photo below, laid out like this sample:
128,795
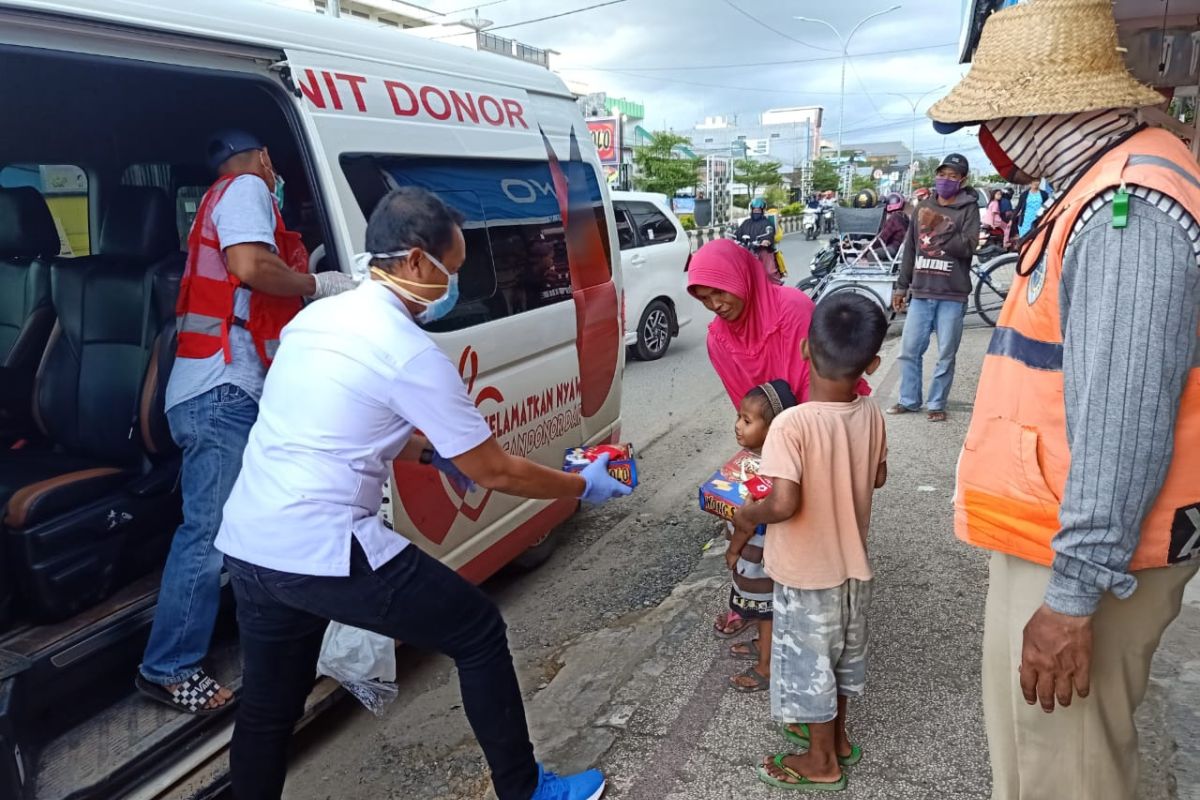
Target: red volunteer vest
205,307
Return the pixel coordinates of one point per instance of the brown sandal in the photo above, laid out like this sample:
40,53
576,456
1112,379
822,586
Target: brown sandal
936,416
761,682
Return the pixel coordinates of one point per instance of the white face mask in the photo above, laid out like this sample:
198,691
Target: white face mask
434,309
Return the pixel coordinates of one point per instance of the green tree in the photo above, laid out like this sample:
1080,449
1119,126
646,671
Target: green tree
776,197
861,182
756,174
926,171
660,168
824,176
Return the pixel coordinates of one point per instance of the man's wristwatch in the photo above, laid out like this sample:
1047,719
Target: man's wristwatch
427,455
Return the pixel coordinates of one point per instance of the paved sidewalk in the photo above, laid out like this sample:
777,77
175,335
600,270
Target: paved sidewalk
647,698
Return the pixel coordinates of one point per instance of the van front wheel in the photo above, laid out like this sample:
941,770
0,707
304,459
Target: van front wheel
537,553
654,331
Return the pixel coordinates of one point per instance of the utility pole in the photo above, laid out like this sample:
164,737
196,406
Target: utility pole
845,57
914,104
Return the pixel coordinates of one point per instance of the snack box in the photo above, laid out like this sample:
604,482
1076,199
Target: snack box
621,465
726,491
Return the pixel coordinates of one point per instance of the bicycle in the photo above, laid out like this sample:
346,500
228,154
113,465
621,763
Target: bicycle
992,282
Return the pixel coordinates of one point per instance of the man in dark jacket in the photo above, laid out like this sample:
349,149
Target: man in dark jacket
936,270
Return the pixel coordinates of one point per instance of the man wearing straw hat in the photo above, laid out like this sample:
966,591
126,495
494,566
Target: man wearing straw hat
1079,468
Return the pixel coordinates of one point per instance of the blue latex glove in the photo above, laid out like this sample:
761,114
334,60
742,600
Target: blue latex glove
457,479
601,487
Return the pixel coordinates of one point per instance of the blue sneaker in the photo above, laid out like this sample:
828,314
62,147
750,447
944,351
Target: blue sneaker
584,786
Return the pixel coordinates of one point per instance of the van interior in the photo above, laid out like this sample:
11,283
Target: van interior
101,171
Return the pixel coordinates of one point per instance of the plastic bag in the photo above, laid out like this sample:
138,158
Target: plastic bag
364,663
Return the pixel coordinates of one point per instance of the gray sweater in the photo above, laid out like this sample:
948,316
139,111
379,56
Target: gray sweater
1130,300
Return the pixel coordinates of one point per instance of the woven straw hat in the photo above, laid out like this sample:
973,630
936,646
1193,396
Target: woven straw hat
1045,57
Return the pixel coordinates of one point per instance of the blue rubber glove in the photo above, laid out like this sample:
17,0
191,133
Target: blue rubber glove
456,477
601,487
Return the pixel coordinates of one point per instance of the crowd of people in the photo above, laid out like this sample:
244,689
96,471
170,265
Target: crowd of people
1078,472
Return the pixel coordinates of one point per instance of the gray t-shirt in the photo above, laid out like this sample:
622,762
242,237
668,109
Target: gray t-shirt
245,214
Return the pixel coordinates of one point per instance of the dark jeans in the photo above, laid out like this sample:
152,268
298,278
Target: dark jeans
413,598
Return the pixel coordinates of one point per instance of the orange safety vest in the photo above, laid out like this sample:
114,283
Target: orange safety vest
1014,463
205,306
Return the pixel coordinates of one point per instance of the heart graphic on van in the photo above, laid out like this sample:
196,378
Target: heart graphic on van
431,501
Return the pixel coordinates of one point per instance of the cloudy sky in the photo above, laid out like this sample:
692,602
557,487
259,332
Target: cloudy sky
688,60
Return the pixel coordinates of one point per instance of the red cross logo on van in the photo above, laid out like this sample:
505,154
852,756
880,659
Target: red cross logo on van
431,502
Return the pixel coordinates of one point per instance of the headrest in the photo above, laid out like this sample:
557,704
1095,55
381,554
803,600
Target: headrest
26,228
139,225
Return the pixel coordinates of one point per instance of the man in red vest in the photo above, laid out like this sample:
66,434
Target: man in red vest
1079,471
246,277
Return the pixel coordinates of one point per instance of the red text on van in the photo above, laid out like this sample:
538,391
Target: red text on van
326,90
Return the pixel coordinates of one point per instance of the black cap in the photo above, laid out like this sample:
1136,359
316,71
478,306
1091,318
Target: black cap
957,162
226,144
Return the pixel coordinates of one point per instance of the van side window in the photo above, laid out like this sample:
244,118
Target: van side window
177,182
516,247
65,188
652,224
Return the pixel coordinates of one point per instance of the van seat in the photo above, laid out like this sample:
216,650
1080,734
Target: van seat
74,510
28,245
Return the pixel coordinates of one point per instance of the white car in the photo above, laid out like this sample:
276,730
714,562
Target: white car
654,256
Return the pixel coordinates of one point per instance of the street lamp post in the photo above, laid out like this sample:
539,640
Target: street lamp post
914,104
845,55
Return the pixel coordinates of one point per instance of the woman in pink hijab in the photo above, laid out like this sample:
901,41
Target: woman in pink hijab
756,335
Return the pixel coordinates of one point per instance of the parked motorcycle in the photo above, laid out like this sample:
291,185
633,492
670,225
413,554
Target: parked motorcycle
991,243
809,223
824,262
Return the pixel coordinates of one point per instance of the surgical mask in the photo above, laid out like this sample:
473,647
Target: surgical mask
279,191
434,309
947,188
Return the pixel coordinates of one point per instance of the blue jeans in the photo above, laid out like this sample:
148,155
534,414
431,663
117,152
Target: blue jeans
212,430
927,317
414,598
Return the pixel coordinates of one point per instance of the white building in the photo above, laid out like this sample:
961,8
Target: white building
791,136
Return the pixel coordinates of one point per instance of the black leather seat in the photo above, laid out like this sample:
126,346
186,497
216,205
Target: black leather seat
28,245
98,505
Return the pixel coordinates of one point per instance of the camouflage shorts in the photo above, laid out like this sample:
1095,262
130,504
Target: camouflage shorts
819,650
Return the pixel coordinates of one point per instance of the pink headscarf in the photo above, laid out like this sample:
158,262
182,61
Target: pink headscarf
764,342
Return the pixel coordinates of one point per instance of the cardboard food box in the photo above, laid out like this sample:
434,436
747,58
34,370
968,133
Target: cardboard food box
621,465
726,491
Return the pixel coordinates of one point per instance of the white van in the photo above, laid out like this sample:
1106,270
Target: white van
107,107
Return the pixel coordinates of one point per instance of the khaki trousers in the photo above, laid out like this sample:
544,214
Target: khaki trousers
1088,751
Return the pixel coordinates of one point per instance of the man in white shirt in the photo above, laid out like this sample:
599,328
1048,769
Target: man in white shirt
246,277
304,544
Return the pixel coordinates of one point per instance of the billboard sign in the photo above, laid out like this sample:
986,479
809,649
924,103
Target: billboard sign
606,133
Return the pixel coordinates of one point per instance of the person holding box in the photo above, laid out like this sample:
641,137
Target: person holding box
825,459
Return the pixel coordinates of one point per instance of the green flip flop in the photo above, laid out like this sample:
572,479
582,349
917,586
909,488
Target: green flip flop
801,784
802,740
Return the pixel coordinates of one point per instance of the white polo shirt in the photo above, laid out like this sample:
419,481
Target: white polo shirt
353,377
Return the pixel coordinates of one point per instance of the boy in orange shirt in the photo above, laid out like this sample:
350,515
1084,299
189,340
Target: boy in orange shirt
826,458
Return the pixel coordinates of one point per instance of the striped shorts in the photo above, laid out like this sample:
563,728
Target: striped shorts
819,650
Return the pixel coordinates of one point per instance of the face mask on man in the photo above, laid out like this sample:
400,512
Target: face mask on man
278,190
434,309
1005,167
947,188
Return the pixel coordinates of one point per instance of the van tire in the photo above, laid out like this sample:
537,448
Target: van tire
537,553
654,331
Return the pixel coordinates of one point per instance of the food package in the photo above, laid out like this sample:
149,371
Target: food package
621,464
729,487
